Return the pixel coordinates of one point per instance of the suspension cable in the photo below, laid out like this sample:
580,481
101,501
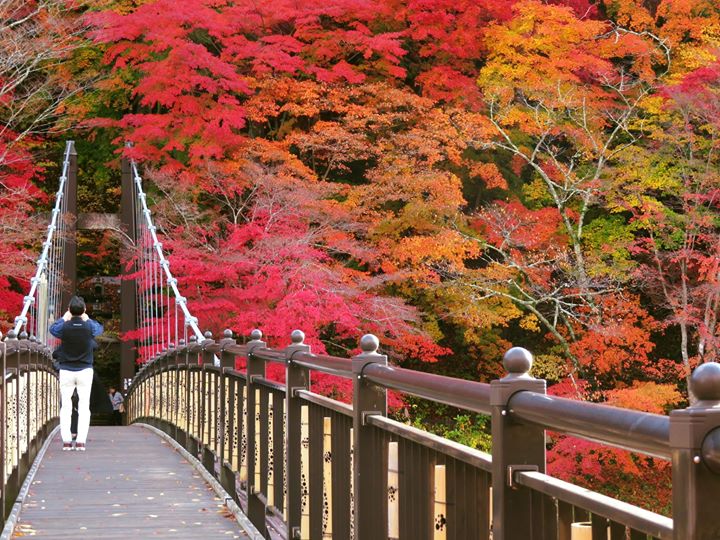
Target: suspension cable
158,256
48,263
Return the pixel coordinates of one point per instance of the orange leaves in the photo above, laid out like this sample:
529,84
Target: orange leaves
646,396
446,247
546,51
620,337
490,175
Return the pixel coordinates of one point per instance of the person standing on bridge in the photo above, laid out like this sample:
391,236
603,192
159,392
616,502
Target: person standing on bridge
77,333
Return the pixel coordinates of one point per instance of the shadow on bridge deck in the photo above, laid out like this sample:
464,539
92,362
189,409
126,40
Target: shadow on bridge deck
129,483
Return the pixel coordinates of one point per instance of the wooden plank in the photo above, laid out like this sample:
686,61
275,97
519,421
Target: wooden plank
128,484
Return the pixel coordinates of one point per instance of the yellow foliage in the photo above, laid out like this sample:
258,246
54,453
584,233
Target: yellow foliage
461,306
549,367
530,322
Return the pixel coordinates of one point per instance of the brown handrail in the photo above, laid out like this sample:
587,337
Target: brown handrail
623,428
473,396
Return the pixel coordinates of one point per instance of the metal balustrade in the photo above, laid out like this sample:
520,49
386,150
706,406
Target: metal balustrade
319,468
29,410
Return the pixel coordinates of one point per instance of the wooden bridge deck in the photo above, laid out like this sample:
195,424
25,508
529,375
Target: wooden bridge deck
129,484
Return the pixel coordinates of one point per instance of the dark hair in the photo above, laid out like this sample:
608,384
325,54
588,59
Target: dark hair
77,306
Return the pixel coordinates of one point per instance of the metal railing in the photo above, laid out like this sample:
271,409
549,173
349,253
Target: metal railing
29,411
316,468
29,395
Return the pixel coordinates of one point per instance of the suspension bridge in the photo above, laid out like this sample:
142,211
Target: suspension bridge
214,451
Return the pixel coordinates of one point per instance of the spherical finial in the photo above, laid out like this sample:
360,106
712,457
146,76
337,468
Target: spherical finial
181,343
711,450
227,333
705,382
193,339
171,346
33,339
297,337
518,361
11,334
369,343
23,335
256,335
207,334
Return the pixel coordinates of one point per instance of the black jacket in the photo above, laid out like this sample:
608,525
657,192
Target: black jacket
75,353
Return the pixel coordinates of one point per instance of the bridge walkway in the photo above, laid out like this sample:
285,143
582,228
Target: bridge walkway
129,483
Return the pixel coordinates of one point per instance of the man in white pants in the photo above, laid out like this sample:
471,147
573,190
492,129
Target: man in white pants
77,332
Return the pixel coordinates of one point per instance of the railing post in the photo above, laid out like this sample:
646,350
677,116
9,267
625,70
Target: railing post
695,444
516,447
170,388
296,378
181,375
33,446
23,375
255,498
370,512
226,416
209,413
3,424
193,396
12,424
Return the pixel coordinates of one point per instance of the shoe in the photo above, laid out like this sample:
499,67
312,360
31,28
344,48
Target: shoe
80,447
67,447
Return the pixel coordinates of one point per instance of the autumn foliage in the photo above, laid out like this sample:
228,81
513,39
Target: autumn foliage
454,176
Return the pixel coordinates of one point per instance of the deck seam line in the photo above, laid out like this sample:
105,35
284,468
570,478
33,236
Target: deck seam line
9,527
229,502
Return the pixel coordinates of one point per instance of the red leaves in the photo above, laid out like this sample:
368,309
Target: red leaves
511,225
619,338
698,94
19,198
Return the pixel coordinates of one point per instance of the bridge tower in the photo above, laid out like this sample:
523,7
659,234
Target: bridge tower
70,259
124,222
128,316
